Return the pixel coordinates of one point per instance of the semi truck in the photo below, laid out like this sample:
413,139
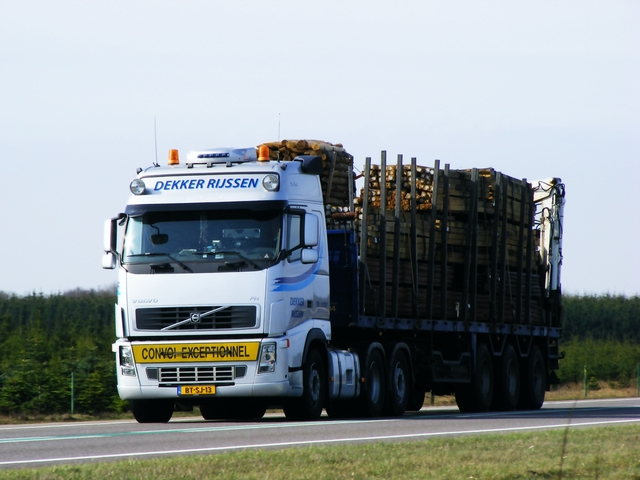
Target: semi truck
282,276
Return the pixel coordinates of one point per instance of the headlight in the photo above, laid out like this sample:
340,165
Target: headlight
271,182
127,365
267,358
137,187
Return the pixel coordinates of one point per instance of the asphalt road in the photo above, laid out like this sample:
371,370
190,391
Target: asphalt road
65,443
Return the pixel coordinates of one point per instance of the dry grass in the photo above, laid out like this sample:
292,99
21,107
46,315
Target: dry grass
576,392
563,392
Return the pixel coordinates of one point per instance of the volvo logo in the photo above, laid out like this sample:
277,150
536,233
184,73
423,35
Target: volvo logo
145,300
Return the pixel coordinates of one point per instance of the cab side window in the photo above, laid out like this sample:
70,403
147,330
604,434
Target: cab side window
294,223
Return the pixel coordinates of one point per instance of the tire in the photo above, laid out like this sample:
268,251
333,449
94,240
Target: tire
373,393
213,411
465,399
233,409
399,385
256,410
507,392
152,411
484,378
534,382
416,398
314,383
478,395
247,409
340,409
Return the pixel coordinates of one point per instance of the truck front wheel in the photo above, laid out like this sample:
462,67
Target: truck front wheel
152,411
233,409
310,405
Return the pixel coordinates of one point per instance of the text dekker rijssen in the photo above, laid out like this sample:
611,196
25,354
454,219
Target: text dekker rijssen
196,352
201,183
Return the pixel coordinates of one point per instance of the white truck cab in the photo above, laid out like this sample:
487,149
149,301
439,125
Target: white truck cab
223,287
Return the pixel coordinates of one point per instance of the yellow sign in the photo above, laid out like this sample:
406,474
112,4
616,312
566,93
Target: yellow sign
196,352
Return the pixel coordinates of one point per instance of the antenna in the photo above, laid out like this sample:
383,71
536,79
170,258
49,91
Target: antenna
278,126
155,138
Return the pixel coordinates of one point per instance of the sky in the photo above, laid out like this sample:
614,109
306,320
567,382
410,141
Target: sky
535,89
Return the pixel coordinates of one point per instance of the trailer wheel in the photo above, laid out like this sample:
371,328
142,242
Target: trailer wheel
310,405
340,409
465,398
372,396
416,398
534,383
399,387
484,378
152,411
477,395
508,382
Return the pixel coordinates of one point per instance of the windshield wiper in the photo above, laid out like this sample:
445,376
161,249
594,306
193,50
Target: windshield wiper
161,254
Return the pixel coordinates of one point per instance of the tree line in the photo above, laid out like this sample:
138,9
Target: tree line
601,317
46,340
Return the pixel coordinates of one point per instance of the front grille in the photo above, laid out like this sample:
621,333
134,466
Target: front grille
201,374
225,319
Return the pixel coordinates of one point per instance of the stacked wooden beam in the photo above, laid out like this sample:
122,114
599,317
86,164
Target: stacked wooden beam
458,213
337,166
424,187
501,220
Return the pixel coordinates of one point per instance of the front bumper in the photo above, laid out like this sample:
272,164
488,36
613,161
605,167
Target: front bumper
157,379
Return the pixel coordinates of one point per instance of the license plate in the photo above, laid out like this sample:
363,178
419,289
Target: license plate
197,390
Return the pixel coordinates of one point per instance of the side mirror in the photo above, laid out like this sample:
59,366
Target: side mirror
109,261
309,255
108,240
310,230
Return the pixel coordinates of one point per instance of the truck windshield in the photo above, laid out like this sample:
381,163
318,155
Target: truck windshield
202,240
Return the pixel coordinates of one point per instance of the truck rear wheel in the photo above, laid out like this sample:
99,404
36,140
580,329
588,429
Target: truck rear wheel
310,405
534,384
507,390
399,385
372,396
341,409
152,411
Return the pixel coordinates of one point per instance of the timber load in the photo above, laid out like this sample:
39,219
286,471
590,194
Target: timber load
337,170
433,240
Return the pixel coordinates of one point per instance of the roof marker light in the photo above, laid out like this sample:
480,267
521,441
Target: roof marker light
173,157
263,153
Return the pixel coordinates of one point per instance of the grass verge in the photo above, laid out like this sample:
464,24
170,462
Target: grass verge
607,452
